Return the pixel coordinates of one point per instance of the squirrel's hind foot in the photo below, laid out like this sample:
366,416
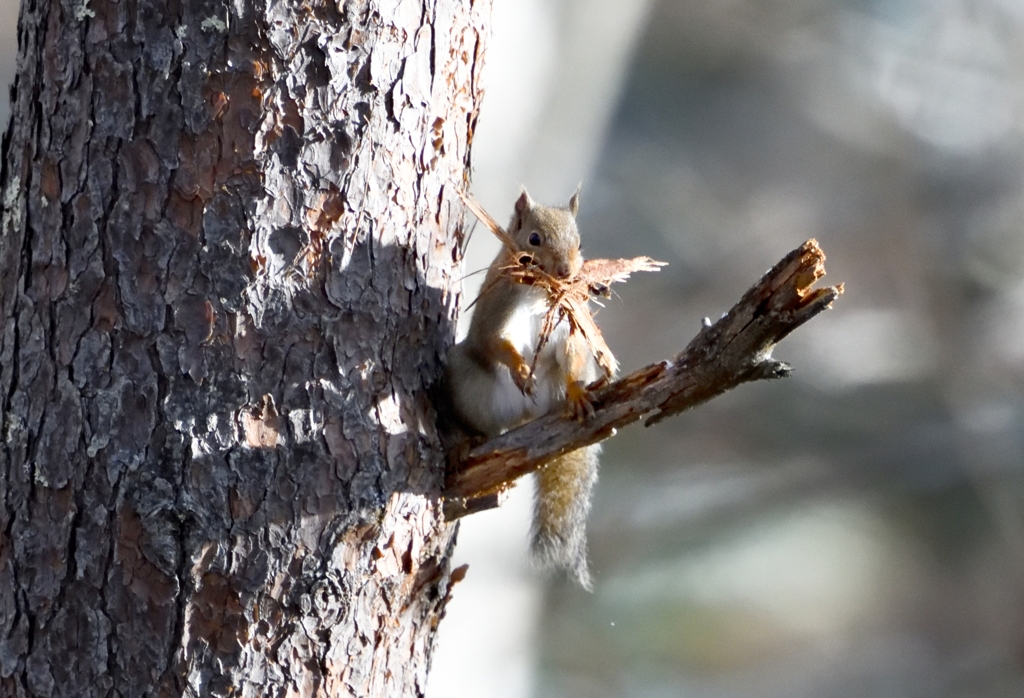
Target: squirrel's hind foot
581,408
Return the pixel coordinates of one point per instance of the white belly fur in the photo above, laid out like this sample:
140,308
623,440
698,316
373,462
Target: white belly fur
523,329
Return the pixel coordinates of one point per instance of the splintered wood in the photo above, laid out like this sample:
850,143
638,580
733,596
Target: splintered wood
569,298
723,355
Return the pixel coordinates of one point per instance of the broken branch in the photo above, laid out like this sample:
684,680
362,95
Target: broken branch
736,349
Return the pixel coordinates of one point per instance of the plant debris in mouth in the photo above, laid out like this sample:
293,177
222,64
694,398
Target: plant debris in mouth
568,298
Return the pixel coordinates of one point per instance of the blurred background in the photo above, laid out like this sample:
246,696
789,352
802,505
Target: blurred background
855,530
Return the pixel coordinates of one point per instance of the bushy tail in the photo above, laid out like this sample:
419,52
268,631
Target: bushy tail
559,537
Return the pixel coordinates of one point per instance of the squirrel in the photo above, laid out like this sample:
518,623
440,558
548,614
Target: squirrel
491,387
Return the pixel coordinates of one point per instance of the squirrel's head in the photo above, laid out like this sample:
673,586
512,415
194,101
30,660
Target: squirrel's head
548,235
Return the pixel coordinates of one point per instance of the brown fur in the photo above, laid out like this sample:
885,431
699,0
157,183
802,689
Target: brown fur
476,366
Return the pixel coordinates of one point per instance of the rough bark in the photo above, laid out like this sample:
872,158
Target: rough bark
735,350
227,236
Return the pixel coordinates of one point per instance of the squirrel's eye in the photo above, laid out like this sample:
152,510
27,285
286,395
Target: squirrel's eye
535,239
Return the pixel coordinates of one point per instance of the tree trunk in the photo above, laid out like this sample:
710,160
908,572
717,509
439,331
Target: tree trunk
226,272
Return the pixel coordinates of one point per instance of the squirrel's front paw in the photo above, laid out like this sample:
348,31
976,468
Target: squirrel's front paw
522,376
580,406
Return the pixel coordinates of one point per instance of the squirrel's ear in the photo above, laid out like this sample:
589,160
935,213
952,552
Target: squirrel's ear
523,203
574,200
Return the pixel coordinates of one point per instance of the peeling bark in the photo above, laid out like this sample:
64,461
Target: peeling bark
226,280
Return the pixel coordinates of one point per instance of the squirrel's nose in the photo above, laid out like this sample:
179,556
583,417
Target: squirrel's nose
564,270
